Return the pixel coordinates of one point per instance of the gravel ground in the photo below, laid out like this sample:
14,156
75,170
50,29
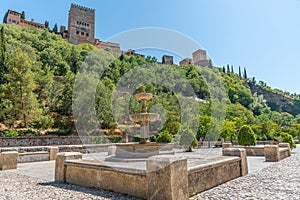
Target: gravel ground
19,187
278,181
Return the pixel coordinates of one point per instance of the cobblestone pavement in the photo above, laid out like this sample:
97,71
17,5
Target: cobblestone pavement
278,181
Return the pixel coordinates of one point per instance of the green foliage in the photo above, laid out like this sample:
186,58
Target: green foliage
136,139
287,138
19,89
28,132
46,66
59,132
164,137
114,138
42,122
10,133
246,136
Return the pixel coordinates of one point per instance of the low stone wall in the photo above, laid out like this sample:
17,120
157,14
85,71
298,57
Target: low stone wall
214,173
43,141
275,153
33,157
165,176
114,179
46,153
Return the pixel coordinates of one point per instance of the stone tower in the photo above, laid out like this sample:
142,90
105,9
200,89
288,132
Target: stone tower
81,25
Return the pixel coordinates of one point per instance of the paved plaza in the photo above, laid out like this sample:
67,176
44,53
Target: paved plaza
266,180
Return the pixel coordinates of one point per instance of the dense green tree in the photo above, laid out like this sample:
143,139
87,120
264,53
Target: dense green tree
3,68
18,91
246,136
229,131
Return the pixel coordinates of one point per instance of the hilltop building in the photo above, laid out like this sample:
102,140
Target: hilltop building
14,17
167,60
185,61
200,58
81,29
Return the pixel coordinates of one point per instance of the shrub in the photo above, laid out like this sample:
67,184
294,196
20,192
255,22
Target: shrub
164,137
188,140
246,136
42,122
28,131
114,138
153,138
136,139
287,138
98,140
59,133
10,133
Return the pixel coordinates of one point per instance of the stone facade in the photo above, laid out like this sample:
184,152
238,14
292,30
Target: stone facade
14,17
200,58
81,25
168,60
185,61
108,45
132,52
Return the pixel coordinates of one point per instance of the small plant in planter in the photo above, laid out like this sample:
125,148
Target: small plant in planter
246,136
188,139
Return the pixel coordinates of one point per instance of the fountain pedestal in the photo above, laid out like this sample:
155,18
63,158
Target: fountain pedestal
145,148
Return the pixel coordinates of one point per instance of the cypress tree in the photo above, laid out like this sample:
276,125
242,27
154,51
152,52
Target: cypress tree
245,74
55,29
23,15
228,69
224,70
47,24
240,73
232,69
5,18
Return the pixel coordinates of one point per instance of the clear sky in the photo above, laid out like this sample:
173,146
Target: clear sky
261,35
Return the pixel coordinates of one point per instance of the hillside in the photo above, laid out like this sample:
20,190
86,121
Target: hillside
38,70
277,101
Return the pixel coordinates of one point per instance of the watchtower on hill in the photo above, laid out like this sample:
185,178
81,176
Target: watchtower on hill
81,25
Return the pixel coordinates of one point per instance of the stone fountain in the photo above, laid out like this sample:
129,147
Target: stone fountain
144,148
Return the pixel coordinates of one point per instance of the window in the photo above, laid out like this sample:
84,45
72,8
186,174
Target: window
88,24
82,33
77,32
87,34
14,21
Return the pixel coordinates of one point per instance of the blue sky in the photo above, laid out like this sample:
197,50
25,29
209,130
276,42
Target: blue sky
261,35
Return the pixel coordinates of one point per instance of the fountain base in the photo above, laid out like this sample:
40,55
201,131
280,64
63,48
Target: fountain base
139,152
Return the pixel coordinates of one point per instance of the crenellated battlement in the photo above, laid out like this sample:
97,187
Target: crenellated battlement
82,7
